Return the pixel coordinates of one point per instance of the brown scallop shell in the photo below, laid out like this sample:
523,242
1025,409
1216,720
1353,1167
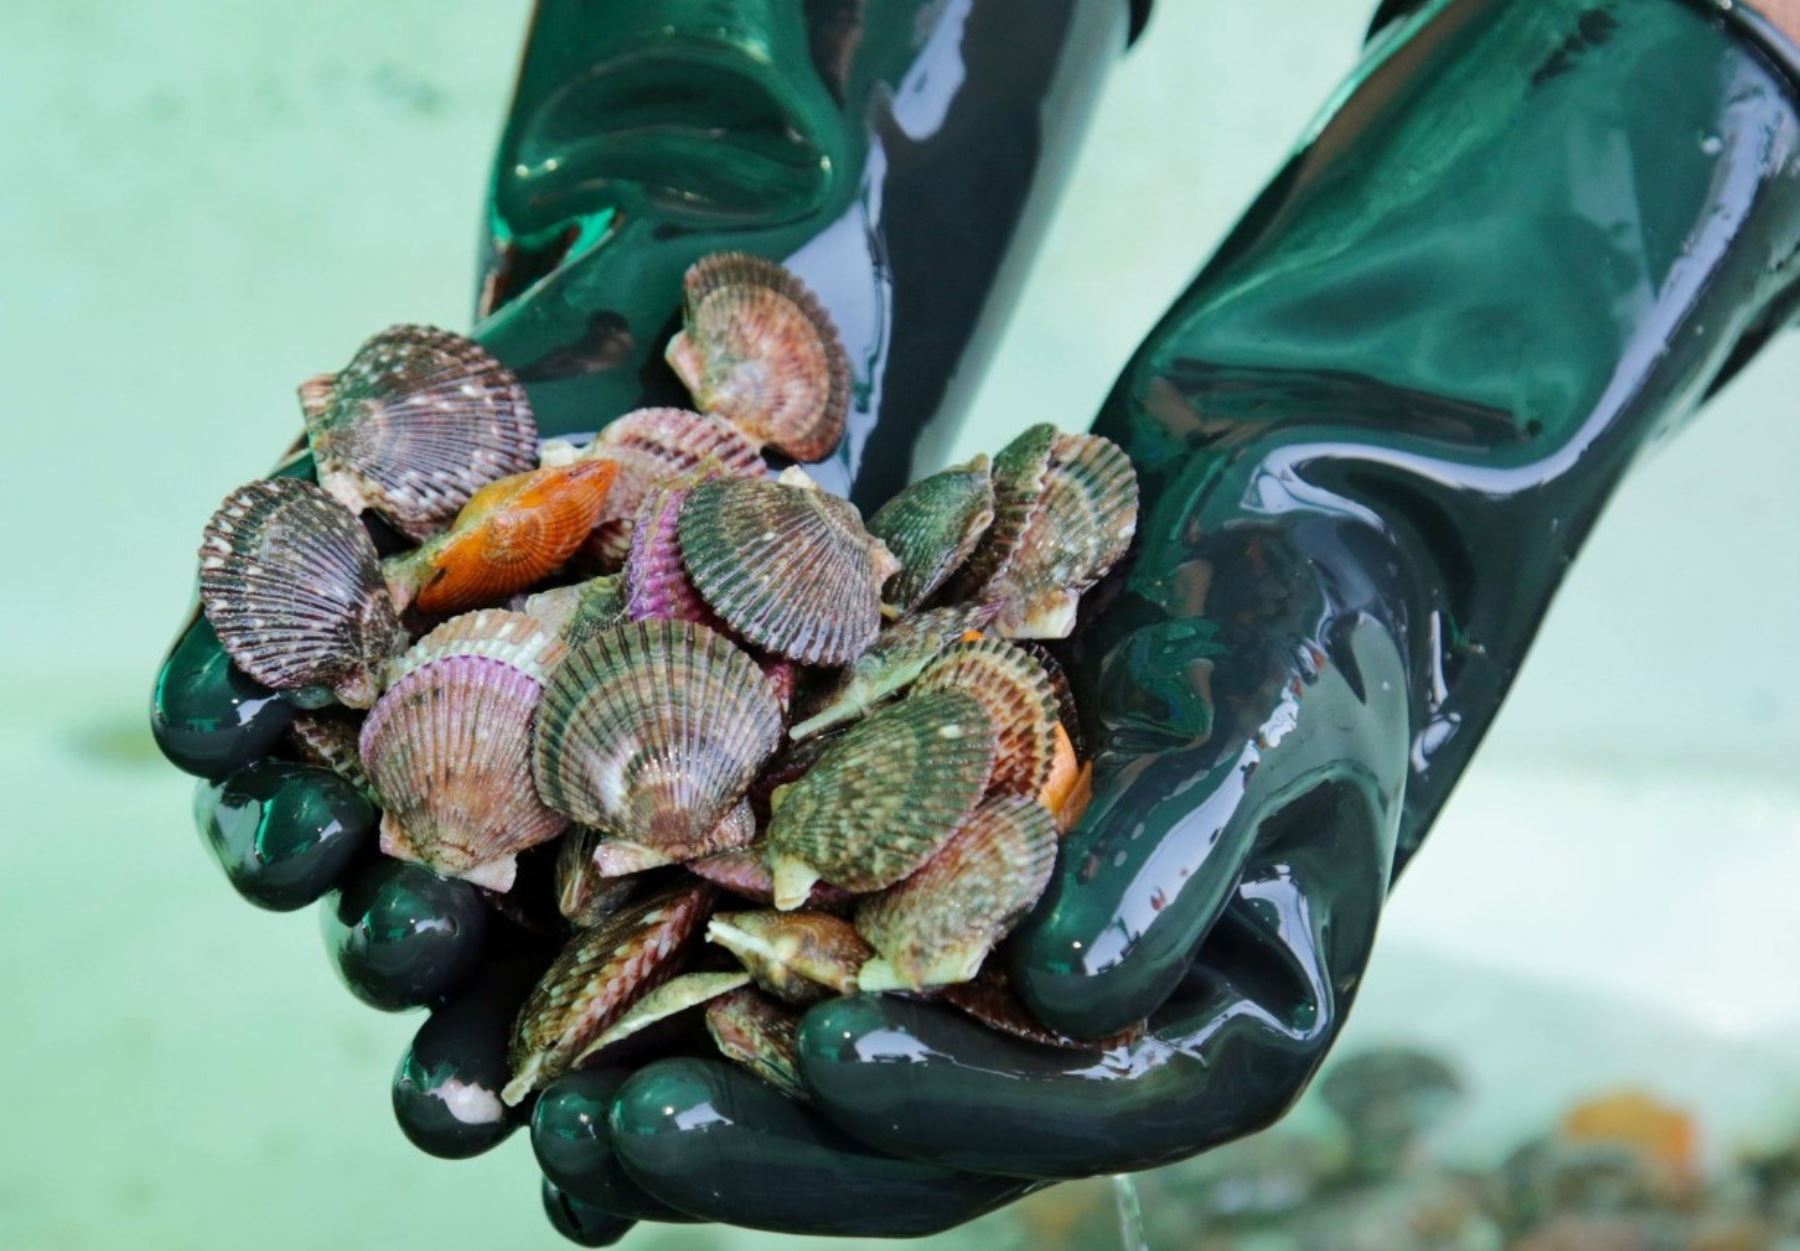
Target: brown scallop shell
1019,699
745,873
417,423
618,857
759,349
991,999
799,957
584,895
678,994
753,1030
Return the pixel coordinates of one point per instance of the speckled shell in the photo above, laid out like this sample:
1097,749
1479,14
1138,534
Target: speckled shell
328,739
658,447
597,977
617,857
652,731
759,349
932,526
789,568
291,584
882,799
1016,691
449,750
1082,524
936,928
584,896
417,423
511,535
991,999
753,1030
514,638
656,585
678,994
577,613
891,664
744,873
1018,481
799,957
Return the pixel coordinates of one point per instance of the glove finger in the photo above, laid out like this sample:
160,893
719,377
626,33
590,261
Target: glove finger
284,833
207,717
582,1223
572,1137
712,1140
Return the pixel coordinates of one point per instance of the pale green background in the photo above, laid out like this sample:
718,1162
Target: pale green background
203,201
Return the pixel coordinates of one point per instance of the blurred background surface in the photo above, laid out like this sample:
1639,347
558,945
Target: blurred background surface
202,203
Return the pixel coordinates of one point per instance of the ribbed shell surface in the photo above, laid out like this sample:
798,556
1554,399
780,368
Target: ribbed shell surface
932,526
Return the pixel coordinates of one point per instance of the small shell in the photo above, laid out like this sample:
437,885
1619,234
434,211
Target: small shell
656,586
292,585
798,957
583,895
1082,524
328,739
758,1033
1018,479
991,999
577,613
449,750
896,659
790,569
617,857
932,526
1017,694
678,994
1059,787
657,447
512,534
759,349
882,799
653,731
417,423
936,928
597,977
495,633
1067,711
744,873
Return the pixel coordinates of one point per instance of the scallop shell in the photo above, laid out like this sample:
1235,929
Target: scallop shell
936,928
1067,711
583,895
892,663
599,975
883,799
328,739
991,999
1018,481
617,857
653,731
798,957
292,585
753,1030
449,750
759,349
656,586
499,634
1082,524
1019,699
512,534
744,873
658,447
678,994
576,613
789,568
417,423
1064,777
932,526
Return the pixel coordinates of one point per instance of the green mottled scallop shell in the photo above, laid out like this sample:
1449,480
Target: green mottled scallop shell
577,613
652,731
1020,701
892,663
932,526
883,798
1018,478
790,568
936,928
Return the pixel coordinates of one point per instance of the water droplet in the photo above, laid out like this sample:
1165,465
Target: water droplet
1711,145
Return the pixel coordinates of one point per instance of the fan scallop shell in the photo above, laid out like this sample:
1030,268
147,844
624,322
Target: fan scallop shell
448,748
882,799
511,535
932,526
1067,710
291,584
577,612
753,1030
936,928
678,994
759,349
1020,701
789,568
746,874
892,663
991,999
617,857
515,638
584,896
652,731
656,585
1082,524
799,957
597,977
328,739
417,423
1018,482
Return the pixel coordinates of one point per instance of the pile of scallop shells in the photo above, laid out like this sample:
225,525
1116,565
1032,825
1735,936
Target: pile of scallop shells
784,753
